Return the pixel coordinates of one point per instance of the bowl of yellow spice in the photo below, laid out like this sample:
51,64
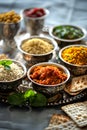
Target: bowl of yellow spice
74,57
37,49
9,27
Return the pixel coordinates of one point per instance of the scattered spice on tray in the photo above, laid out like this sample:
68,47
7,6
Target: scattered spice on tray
10,71
9,17
75,55
3,56
48,75
36,46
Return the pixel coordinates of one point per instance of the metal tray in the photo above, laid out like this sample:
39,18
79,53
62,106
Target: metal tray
65,97
61,98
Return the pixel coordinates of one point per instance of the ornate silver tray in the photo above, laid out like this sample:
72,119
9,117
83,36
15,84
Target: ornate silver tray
56,100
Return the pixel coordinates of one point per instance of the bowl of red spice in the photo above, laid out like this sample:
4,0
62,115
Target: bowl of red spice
74,57
34,19
48,78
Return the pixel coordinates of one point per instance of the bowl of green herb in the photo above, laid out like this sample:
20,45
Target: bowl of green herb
11,74
67,34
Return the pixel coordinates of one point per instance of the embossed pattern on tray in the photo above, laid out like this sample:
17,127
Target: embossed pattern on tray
66,99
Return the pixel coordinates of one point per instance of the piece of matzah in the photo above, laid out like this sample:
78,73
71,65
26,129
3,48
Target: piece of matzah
67,89
78,83
61,122
70,125
57,119
77,112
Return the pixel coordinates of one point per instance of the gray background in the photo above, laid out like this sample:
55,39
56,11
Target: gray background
61,11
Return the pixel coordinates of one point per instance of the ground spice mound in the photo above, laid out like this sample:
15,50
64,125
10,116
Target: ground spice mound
37,46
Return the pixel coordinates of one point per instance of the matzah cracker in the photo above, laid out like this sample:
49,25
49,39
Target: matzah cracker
61,122
64,126
77,112
57,119
78,83
67,89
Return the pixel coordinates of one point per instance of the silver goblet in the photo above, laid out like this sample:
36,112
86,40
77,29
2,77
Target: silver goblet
34,25
7,32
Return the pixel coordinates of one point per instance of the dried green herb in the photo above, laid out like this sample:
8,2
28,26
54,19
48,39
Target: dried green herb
67,32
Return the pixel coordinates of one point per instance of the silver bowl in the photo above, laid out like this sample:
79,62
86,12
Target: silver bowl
48,90
34,25
7,32
9,86
74,69
36,58
64,42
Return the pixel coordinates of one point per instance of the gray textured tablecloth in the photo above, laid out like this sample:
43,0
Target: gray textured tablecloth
61,11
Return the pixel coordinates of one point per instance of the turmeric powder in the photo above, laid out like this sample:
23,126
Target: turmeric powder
75,55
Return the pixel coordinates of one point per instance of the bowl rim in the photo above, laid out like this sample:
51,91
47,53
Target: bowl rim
23,14
66,40
20,64
49,63
54,43
60,55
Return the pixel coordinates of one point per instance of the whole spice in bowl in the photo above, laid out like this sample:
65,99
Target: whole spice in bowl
9,27
35,12
9,17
